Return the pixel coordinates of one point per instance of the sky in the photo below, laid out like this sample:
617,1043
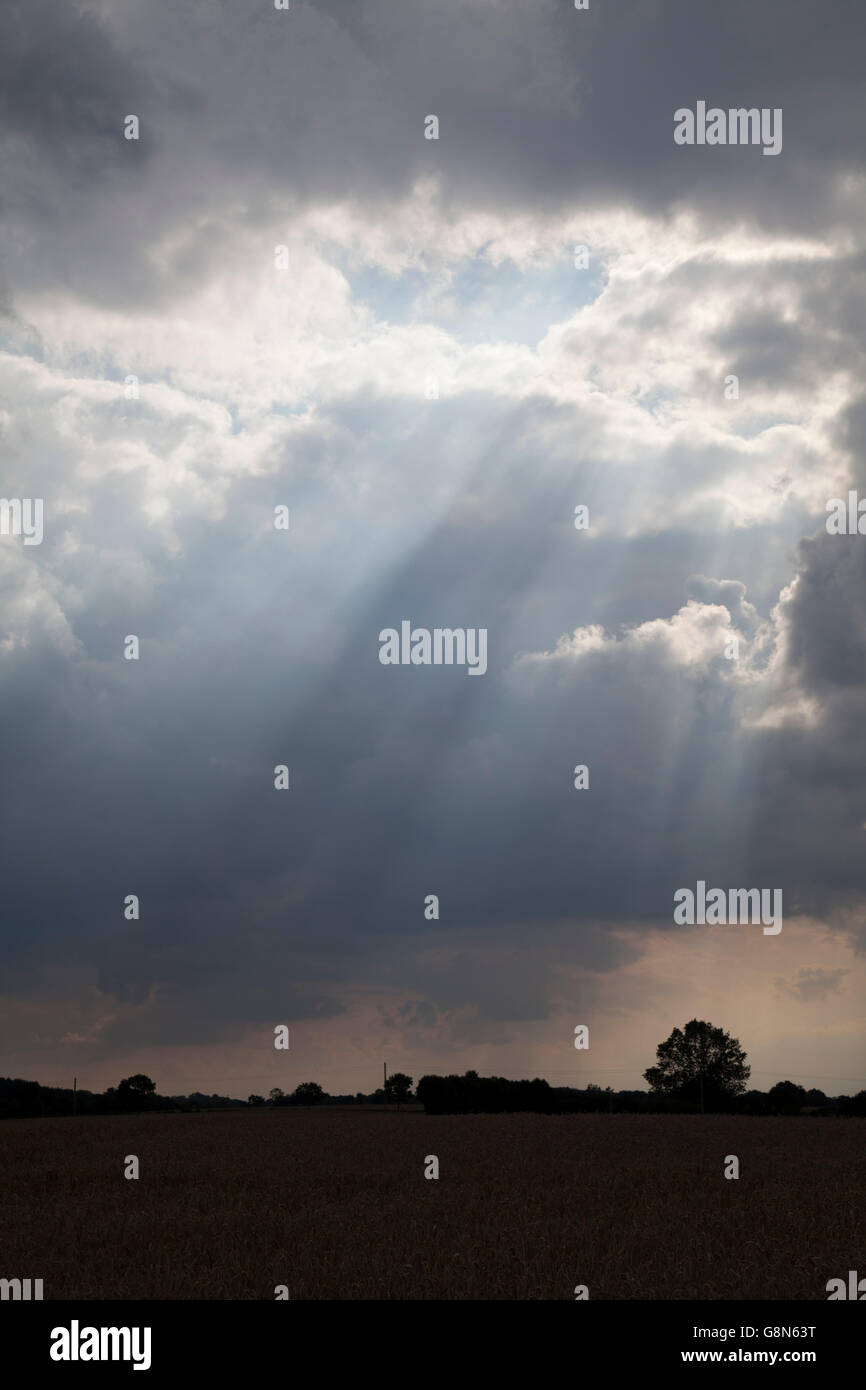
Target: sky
283,294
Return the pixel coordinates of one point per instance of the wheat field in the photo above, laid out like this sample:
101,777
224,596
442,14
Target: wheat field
334,1204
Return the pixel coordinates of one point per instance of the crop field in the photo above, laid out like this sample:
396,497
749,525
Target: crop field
335,1204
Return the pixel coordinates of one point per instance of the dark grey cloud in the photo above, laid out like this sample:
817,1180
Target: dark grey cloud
157,777
541,108
828,626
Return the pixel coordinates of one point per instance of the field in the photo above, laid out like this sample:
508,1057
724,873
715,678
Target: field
334,1204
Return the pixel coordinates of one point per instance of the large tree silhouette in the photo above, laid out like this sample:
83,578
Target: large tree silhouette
398,1087
786,1098
308,1093
136,1086
701,1065
136,1092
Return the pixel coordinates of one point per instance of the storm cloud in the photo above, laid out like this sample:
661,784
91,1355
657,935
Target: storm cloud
432,386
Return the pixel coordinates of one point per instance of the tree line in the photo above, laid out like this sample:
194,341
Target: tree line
137,1094
474,1094
698,1069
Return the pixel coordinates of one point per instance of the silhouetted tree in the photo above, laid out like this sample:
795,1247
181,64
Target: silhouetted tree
699,1064
308,1093
398,1087
275,1096
786,1097
138,1085
135,1092
255,1100
492,1095
754,1103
